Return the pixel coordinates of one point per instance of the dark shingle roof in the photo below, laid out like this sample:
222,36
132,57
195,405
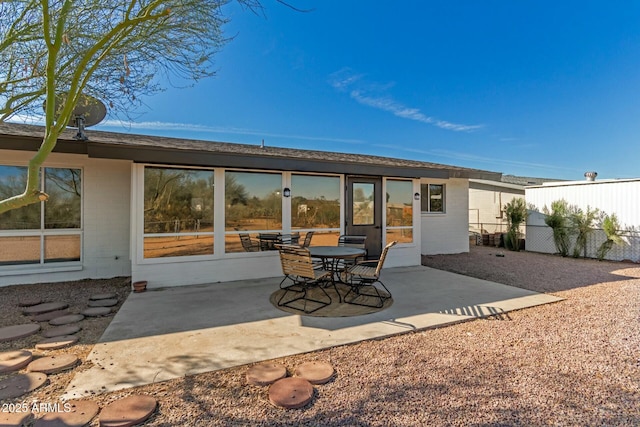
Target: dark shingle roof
155,149
524,180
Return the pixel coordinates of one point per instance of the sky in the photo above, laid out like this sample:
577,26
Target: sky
546,89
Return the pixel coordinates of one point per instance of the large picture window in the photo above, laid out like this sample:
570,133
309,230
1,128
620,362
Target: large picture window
432,198
178,212
399,209
253,207
45,232
315,207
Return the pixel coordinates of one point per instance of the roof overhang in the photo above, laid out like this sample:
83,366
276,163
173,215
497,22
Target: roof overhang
173,151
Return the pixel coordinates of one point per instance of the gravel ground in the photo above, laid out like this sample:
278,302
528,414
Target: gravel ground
572,363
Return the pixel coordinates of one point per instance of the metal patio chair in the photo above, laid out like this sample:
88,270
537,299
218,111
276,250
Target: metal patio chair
362,278
298,268
249,244
307,239
353,242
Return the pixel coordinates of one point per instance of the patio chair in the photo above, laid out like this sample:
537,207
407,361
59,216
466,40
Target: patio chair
354,242
249,244
307,239
289,239
298,268
362,278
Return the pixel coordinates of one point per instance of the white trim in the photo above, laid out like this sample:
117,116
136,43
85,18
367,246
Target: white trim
16,271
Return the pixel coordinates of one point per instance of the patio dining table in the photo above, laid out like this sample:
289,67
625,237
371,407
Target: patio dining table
331,256
269,240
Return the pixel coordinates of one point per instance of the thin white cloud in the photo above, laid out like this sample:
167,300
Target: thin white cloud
190,127
399,110
366,94
344,78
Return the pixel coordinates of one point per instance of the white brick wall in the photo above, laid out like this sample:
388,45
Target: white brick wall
448,233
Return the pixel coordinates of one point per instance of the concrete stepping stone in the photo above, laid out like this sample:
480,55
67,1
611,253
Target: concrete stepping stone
96,311
109,295
128,411
103,302
20,384
15,419
59,331
266,373
80,413
291,393
53,364
45,317
10,333
55,343
28,302
14,360
65,320
315,372
45,307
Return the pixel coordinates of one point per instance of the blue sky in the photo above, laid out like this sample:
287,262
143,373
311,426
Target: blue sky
531,88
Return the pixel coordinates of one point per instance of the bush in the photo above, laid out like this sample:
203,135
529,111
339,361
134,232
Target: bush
516,212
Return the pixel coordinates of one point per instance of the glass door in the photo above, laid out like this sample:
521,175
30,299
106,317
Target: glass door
364,211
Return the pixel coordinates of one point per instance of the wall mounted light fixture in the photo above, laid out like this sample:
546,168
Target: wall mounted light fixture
416,196
286,192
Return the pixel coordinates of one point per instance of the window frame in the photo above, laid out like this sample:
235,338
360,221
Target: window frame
42,232
411,227
144,234
427,197
318,231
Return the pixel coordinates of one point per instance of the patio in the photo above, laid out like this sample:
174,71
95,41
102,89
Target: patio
169,333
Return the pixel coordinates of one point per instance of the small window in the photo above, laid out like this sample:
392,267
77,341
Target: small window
432,198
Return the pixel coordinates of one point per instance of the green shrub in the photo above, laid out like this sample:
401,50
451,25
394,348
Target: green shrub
516,212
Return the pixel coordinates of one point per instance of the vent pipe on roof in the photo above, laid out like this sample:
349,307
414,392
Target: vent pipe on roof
591,176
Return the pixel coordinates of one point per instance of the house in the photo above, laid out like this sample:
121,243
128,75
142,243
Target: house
488,197
171,211
610,196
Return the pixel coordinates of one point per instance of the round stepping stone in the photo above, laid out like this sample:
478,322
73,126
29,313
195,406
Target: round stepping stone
59,331
55,343
45,317
266,373
53,364
315,372
128,411
96,311
28,302
103,296
79,413
103,303
291,393
15,419
14,360
45,307
65,320
10,333
20,384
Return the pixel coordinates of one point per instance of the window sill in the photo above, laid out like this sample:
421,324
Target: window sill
21,271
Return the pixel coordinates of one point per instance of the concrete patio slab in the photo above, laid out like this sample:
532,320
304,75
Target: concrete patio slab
169,333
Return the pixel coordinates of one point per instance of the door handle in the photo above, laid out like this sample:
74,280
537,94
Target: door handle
377,227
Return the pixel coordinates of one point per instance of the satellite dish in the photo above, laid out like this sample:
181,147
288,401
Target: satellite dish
88,111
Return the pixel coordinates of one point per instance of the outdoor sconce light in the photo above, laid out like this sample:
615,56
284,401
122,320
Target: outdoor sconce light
416,196
286,192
